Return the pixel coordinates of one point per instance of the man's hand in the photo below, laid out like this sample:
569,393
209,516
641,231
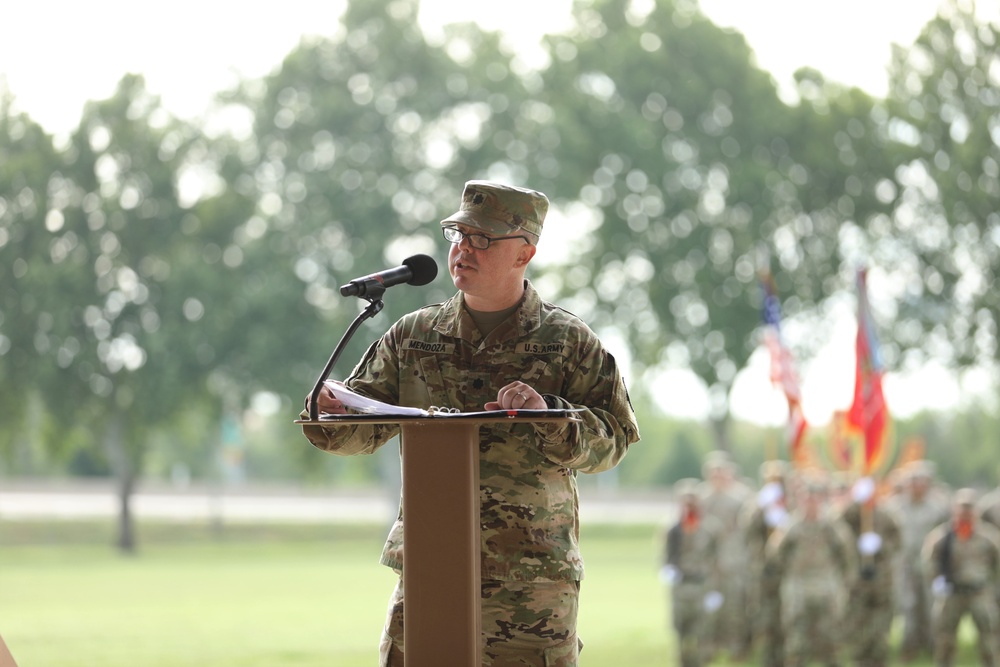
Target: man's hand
517,396
326,402
940,587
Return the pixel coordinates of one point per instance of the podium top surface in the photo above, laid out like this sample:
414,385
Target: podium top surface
484,416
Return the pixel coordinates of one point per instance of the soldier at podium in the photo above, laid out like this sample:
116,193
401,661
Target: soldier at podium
497,345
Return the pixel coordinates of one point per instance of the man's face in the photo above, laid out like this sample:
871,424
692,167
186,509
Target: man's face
919,486
720,477
489,278
965,513
812,501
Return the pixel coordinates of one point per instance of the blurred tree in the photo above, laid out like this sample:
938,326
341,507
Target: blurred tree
361,143
126,305
685,174
942,240
27,158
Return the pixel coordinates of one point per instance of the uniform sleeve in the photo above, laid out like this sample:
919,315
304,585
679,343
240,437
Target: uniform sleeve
608,425
892,540
375,376
992,536
848,552
776,551
930,553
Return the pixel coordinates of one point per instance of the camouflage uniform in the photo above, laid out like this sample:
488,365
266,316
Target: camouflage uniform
989,513
870,604
989,508
917,516
965,570
527,486
761,516
691,549
815,560
723,499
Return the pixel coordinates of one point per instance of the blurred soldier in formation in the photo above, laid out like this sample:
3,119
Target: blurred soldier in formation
840,491
815,560
723,500
690,559
870,603
918,511
988,509
762,514
962,560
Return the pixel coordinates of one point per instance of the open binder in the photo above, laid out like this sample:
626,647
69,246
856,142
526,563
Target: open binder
368,409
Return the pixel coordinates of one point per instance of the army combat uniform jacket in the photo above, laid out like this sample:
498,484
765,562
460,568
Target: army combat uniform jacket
529,507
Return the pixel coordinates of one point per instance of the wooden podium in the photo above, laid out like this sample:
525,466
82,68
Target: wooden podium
6,659
441,529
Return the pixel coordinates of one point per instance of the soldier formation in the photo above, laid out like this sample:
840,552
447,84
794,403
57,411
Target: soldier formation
815,567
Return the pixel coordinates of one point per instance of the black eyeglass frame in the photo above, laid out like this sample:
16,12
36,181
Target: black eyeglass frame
474,239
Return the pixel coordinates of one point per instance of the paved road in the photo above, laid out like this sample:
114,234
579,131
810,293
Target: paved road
69,501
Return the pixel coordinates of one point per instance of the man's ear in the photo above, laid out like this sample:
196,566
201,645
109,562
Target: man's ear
524,255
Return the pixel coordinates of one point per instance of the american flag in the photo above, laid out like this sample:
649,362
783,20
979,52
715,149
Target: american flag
783,374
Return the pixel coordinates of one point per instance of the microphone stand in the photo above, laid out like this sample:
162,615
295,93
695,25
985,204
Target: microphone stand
374,298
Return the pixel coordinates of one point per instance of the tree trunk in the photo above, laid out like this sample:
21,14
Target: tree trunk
720,429
125,477
126,524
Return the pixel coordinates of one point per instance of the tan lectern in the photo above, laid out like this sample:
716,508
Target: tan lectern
441,537
6,659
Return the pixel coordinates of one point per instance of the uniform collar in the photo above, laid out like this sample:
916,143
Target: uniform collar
454,321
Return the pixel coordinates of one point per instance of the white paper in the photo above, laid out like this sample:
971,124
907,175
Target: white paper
370,405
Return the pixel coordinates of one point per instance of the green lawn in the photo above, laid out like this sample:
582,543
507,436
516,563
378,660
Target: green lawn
287,596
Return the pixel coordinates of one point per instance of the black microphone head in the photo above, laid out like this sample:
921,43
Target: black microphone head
423,267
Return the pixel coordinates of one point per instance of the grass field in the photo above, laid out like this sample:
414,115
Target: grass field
275,596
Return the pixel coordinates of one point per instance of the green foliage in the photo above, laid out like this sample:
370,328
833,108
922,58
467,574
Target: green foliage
155,279
945,192
670,449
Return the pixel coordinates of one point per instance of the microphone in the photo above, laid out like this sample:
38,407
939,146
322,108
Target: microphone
416,270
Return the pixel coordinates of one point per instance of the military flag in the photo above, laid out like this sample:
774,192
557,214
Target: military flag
868,416
783,374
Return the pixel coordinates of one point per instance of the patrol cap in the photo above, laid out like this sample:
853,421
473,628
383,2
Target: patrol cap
500,209
965,498
842,480
716,460
687,488
814,482
921,469
773,470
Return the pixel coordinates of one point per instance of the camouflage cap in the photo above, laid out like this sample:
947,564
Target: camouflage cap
717,459
500,209
965,498
921,469
773,469
814,484
688,487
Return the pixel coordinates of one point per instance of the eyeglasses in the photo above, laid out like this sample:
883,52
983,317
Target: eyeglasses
477,241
